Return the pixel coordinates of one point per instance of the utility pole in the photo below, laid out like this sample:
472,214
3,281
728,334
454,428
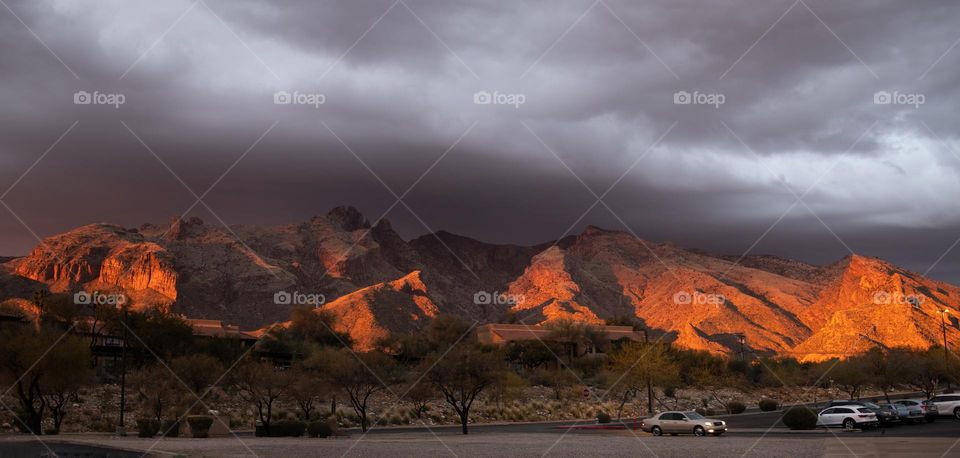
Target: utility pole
943,326
646,340
123,371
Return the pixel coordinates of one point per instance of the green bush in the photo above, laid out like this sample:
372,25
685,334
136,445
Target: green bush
320,429
800,417
287,428
147,427
736,407
768,405
603,417
200,425
171,428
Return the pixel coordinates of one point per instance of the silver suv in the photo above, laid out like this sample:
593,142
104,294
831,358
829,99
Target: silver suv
929,409
947,404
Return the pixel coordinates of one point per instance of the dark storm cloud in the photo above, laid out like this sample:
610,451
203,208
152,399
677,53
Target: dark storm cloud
598,79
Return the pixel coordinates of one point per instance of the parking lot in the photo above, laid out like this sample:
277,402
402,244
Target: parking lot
751,434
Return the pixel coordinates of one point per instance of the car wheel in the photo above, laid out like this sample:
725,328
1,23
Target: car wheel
699,431
956,412
849,424
657,431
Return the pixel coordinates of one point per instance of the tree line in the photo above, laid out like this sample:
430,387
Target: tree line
173,374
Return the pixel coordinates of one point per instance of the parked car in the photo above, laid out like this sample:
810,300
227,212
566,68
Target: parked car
674,423
929,409
848,416
907,414
947,404
885,416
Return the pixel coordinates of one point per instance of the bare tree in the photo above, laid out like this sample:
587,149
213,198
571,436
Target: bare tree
360,375
261,384
461,375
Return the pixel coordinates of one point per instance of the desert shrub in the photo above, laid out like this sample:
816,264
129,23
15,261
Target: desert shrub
320,429
287,428
736,407
171,428
768,405
200,425
705,411
147,427
51,431
102,425
395,419
603,417
670,391
800,417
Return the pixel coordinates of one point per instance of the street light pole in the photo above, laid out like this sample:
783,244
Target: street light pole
646,340
742,338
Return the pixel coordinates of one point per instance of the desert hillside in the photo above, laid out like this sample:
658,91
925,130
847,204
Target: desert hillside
377,283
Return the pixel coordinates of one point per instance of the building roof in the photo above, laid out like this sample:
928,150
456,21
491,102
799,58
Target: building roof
216,328
501,333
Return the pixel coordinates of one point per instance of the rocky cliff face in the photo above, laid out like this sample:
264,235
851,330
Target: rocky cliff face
377,283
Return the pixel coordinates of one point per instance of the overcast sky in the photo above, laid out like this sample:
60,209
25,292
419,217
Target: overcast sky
599,84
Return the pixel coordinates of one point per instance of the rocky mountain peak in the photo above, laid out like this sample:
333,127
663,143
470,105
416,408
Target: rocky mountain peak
184,228
347,218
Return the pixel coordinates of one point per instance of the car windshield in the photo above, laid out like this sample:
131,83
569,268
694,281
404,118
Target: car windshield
694,416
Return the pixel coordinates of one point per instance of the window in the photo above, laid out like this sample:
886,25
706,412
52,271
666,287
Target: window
864,410
829,411
844,410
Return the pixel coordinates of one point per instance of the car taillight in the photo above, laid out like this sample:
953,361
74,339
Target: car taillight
863,416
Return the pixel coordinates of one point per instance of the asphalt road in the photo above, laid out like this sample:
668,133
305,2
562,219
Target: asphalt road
34,449
755,424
